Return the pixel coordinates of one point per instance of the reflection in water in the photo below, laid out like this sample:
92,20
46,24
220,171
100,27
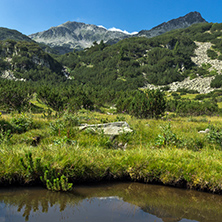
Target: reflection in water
110,202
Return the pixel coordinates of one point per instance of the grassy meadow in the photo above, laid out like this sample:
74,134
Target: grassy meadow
48,149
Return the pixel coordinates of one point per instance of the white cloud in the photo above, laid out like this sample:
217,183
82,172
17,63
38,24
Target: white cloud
101,26
119,30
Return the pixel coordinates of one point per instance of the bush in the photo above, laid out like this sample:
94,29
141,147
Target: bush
184,90
167,137
214,135
148,104
219,57
216,82
21,123
212,54
192,108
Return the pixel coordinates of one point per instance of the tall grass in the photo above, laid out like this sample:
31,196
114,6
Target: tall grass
169,151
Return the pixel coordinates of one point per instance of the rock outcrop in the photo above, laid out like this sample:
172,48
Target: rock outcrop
202,58
8,74
202,85
111,129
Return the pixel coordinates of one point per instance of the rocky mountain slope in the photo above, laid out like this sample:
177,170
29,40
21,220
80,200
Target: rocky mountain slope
25,60
76,35
181,22
188,58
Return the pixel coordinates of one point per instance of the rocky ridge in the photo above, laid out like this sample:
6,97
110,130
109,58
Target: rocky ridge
76,35
181,22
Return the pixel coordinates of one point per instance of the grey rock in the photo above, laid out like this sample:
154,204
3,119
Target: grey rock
204,131
112,129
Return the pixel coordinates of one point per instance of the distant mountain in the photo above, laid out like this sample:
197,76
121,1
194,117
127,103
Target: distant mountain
6,33
75,35
25,60
181,22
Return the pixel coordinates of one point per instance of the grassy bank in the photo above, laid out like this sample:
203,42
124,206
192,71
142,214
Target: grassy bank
168,151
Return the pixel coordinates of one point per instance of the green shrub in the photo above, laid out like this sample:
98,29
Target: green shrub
219,57
70,119
148,104
5,136
52,179
21,123
212,54
216,82
166,137
214,135
192,108
56,127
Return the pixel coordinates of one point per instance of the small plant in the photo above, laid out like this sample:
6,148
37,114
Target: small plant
71,119
212,54
36,171
120,118
33,168
64,140
104,120
214,135
5,136
167,137
47,114
55,182
56,127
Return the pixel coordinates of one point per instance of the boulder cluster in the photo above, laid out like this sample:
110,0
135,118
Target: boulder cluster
200,84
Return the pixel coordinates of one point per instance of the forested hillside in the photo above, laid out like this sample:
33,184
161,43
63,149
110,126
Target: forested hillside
13,35
108,74
132,62
27,61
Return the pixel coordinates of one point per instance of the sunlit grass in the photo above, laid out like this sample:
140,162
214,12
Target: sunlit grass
189,158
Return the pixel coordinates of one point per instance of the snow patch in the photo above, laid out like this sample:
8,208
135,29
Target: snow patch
113,29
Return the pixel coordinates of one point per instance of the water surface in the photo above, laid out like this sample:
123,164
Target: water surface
129,202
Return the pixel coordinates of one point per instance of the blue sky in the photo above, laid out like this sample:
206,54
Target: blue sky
31,16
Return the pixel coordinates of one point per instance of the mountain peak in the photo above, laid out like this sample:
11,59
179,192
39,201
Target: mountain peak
77,35
178,23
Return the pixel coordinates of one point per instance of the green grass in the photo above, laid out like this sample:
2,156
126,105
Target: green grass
169,151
